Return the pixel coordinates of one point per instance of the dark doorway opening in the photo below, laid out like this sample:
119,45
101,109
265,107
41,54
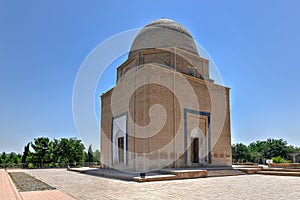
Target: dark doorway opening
195,150
121,149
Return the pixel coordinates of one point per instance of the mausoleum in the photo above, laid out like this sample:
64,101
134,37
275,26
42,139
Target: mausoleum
165,110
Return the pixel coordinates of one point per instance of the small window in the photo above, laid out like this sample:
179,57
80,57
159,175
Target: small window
192,71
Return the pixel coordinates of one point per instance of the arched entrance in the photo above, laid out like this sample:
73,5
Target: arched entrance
197,146
119,145
119,140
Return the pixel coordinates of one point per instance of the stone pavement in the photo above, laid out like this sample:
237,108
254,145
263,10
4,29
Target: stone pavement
7,189
158,175
82,186
45,195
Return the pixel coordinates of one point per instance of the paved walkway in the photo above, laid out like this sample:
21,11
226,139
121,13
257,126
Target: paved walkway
45,195
8,191
82,186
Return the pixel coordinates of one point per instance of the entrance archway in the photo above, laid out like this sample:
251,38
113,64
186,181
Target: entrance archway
119,148
198,146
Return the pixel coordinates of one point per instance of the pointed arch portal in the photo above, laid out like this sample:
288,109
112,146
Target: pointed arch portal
198,139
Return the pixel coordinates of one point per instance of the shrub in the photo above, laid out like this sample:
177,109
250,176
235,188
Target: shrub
30,166
278,159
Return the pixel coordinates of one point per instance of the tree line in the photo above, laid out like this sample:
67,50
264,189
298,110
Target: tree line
257,152
43,152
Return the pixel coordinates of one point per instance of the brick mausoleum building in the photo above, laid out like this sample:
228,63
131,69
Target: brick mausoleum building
165,111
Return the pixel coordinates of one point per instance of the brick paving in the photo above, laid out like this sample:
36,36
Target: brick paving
82,186
45,195
7,189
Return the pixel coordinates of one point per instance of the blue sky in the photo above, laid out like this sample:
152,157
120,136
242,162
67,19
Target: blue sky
255,45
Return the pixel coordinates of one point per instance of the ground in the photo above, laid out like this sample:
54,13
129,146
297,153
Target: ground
81,186
25,183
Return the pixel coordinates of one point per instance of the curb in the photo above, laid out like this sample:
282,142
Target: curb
16,192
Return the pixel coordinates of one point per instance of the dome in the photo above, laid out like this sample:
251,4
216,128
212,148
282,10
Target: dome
162,33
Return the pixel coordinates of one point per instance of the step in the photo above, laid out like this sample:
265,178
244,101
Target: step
230,172
250,170
279,173
186,173
283,169
164,177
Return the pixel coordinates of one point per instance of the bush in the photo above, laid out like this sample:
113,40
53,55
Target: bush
30,166
57,165
278,159
51,165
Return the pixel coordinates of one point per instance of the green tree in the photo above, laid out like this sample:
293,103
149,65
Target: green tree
258,151
261,150
62,151
85,156
68,151
90,156
42,150
77,151
278,148
96,155
4,158
25,153
11,158
48,153
14,158
56,152
240,153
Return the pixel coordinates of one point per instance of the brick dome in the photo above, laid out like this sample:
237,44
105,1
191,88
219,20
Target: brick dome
163,33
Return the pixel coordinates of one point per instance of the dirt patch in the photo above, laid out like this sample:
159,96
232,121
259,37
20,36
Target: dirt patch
26,183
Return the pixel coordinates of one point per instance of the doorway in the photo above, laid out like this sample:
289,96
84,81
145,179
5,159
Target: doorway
195,150
121,149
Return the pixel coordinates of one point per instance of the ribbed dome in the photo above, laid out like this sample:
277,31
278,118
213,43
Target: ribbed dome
164,33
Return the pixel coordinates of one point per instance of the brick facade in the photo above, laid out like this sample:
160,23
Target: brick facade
153,85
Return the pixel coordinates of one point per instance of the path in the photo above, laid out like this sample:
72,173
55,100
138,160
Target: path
8,191
82,186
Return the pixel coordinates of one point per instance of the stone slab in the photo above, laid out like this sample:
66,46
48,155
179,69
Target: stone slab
279,173
7,188
45,195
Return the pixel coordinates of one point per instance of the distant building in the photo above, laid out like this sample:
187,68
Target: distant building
165,111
